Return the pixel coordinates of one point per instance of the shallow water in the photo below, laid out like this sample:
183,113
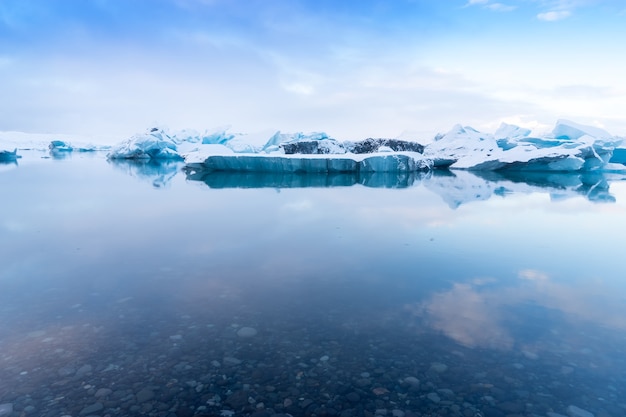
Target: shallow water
123,288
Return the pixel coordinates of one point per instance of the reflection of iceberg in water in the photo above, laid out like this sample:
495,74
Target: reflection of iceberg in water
222,179
392,179
159,173
460,187
7,165
455,187
594,186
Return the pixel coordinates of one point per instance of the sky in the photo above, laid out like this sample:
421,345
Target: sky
352,69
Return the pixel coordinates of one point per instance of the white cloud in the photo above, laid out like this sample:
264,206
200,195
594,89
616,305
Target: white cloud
554,15
499,7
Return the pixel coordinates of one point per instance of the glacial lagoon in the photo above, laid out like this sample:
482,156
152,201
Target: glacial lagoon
136,289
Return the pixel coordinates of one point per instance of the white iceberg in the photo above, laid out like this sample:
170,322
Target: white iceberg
570,147
154,144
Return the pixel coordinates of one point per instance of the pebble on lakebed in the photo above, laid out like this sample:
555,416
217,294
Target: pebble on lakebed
247,332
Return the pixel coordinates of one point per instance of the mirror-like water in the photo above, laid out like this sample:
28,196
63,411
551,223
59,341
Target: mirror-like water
134,289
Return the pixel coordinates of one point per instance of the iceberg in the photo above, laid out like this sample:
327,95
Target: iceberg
279,140
60,146
570,147
9,156
221,158
152,145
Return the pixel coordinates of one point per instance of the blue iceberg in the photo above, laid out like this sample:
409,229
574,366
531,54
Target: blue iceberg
9,156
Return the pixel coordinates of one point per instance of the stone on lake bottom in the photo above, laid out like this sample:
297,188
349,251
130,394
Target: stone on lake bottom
83,370
144,395
246,332
90,409
574,411
434,397
439,367
412,381
103,392
6,409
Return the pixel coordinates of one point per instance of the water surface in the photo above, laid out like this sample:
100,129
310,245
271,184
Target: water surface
123,288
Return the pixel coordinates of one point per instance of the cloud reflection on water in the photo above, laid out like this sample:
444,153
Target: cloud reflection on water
479,314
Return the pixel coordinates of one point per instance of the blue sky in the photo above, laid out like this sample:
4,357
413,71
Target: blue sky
350,68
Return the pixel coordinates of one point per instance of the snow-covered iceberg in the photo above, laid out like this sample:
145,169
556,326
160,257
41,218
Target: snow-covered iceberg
154,144
570,147
151,144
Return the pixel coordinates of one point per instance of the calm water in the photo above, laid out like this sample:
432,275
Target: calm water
124,289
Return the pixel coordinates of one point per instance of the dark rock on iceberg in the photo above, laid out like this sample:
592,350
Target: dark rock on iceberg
371,145
313,147
331,146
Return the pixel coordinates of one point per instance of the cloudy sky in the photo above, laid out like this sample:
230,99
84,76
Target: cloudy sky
351,68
